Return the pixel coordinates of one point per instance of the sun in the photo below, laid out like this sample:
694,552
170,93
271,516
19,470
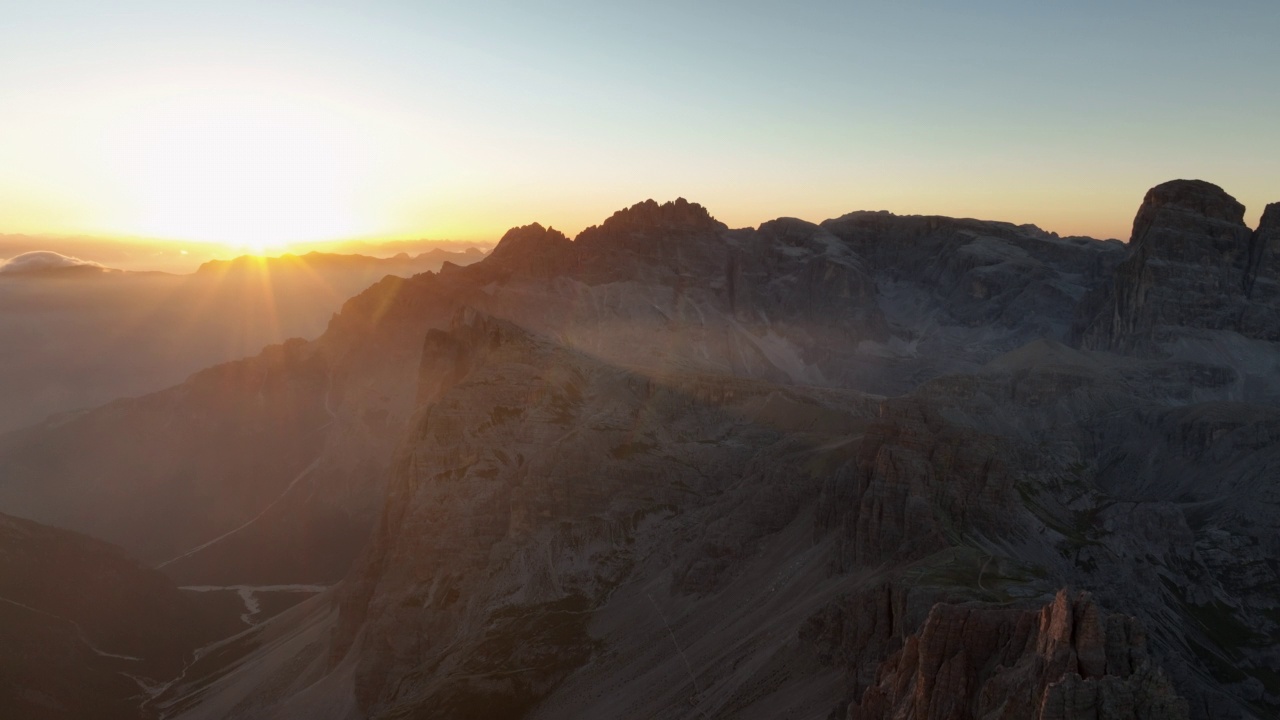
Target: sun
250,174
259,248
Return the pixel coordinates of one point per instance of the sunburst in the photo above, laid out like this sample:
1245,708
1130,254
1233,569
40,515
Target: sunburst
254,175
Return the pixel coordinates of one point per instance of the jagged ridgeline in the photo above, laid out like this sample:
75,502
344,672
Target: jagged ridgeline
880,467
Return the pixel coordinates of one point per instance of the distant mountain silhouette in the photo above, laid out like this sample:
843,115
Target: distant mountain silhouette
74,334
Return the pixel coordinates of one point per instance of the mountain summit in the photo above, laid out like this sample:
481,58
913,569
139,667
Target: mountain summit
1194,267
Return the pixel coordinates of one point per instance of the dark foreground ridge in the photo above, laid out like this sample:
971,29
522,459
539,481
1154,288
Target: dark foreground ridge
84,629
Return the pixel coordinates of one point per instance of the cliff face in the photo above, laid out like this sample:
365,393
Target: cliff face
1262,279
918,481
818,551
525,487
1193,266
1067,661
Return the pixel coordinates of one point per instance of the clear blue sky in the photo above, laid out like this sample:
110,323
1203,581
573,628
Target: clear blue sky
315,120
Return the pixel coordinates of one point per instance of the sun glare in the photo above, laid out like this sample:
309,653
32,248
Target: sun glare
253,175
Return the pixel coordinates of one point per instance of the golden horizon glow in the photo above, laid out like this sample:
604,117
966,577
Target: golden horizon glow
264,126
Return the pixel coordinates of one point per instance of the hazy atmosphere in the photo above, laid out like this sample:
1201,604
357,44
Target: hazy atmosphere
718,360
260,124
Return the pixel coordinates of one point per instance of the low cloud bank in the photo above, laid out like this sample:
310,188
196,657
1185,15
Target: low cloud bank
39,260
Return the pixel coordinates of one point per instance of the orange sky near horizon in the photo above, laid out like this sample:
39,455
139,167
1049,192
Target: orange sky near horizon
265,128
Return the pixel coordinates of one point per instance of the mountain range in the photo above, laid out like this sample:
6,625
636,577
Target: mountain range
878,467
75,334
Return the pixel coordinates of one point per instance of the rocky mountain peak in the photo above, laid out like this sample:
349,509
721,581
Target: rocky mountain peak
1193,265
1195,197
1262,278
530,240
668,234
530,250
649,216
1264,250
668,238
449,355
1270,221
1066,661
1191,221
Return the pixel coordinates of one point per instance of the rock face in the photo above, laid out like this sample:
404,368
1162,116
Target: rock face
918,480
1068,661
534,250
665,234
567,508
1193,265
670,469
1262,280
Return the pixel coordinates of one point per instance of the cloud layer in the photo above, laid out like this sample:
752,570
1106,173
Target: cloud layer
40,260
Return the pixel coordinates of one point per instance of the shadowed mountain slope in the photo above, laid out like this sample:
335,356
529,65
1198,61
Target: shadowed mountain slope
86,631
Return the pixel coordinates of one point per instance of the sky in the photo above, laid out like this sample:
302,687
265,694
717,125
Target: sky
259,124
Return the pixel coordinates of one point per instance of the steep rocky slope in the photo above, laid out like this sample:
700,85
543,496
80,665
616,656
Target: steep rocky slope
671,469
1198,284
1068,660
603,543
312,424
